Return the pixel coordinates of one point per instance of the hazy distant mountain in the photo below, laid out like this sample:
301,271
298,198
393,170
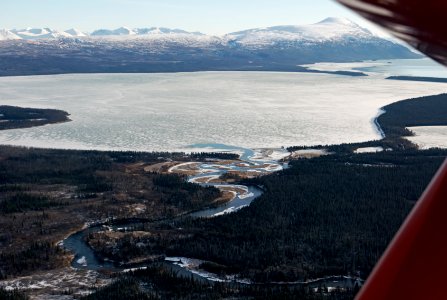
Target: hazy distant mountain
330,29
75,33
163,30
39,33
157,49
125,31
119,31
137,31
48,33
6,35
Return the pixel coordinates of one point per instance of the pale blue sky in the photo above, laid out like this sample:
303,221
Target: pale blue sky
208,16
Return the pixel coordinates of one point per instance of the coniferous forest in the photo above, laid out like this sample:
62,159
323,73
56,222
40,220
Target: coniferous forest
331,215
46,194
12,117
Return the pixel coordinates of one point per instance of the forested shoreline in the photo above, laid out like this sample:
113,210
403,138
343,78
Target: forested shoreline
397,116
329,216
332,215
13,117
45,194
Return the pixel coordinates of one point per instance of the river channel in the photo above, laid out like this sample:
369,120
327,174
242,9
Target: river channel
260,161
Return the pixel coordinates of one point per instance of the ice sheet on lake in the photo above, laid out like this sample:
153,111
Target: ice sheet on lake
429,136
424,67
167,112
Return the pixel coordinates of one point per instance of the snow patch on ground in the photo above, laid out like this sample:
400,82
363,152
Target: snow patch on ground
246,195
82,261
208,179
134,269
193,266
179,166
264,155
53,284
369,150
309,153
229,210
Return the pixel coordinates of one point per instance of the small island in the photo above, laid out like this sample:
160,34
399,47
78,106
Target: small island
13,117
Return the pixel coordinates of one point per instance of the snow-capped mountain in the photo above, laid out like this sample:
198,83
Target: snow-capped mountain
75,32
108,32
39,33
125,31
158,49
163,30
122,32
6,35
330,29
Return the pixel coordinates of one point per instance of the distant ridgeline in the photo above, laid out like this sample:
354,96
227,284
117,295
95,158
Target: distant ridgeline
156,50
12,117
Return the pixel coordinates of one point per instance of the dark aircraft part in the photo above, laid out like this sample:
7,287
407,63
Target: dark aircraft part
420,23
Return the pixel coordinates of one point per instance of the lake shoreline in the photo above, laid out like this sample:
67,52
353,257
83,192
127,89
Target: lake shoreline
263,109
387,122
15,117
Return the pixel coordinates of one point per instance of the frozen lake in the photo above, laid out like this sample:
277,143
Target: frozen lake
429,136
424,67
167,112
407,67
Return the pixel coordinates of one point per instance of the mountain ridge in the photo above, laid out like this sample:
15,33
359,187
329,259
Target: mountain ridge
43,33
159,49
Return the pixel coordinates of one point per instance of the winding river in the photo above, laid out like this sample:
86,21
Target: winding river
85,257
251,161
